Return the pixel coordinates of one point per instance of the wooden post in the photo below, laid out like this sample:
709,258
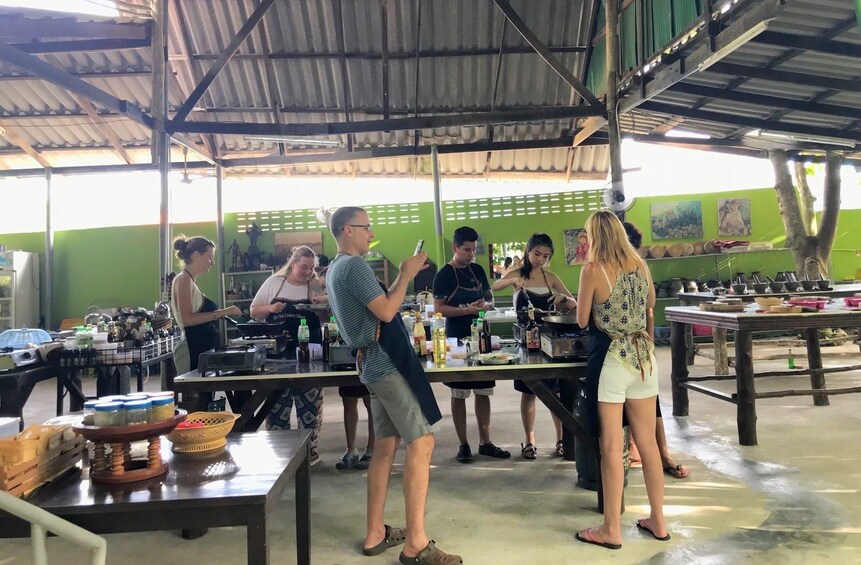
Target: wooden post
746,388
679,373
691,347
615,142
721,361
814,358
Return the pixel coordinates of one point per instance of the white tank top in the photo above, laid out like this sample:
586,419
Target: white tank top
196,299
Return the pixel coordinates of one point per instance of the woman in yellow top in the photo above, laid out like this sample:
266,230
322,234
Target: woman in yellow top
538,286
616,299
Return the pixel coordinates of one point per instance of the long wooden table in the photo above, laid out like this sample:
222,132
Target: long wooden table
744,324
250,474
252,395
719,336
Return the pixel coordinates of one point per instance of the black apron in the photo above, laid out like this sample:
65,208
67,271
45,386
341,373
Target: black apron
395,341
202,337
540,302
463,296
586,404
290,320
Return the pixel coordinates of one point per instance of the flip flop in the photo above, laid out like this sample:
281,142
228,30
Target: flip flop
649,531
589,537
394,536
677,472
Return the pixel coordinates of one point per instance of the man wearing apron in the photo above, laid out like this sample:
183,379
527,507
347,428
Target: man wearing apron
460,291
290,290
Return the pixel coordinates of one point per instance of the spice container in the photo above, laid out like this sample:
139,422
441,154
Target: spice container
162,408
137,411
89,412
109,414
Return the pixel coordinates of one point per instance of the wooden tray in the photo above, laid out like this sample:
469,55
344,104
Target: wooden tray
718,307
23,478
135,432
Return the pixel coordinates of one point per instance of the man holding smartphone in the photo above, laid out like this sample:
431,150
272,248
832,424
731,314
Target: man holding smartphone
460,291
402,402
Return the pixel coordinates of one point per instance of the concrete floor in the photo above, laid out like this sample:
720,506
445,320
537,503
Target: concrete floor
794,499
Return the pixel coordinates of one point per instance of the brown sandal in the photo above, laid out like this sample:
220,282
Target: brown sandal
431,555
393,537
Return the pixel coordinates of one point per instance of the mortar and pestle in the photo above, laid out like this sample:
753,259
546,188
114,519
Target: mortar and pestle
739,288
824,284
760,288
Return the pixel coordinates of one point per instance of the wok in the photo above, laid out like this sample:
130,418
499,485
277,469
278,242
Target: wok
561,323
259,329
523,315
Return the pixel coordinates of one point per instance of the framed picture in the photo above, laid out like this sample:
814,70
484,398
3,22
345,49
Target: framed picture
734,216
576,246
677,220
286,241
479,245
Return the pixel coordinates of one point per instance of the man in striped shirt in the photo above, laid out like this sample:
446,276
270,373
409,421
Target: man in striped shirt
359,304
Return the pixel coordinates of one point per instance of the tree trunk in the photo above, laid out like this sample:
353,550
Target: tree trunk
810,251
805,198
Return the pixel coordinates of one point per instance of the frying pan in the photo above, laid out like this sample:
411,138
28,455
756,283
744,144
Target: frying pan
562,323
258,329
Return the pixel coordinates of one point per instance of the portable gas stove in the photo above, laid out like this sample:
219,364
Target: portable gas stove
275,346
558,344
565,345
247,358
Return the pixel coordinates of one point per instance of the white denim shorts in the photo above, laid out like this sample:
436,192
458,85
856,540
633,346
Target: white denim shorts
620,381
463,393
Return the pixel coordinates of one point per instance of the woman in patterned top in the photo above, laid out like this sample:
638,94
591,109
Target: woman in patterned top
617,295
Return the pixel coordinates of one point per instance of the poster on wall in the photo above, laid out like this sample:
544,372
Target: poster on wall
677,220
286,241
479,245
576,246
734,216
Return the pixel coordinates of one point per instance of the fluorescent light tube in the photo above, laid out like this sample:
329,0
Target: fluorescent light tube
733,45
293,140
801,138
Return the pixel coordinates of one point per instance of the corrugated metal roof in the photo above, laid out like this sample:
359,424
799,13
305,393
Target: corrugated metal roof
315,83
821,19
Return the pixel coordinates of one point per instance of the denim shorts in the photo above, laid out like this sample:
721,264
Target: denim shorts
396,410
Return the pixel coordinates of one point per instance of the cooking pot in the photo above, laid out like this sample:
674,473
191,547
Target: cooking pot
562,323
94,316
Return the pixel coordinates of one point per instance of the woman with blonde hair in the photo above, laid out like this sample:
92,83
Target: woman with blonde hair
616,298
276,302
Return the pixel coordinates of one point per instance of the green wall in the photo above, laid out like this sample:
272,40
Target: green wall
116,266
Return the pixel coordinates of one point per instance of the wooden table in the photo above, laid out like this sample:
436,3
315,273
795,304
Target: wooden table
267,387
250,473
744,324
719,334
16,386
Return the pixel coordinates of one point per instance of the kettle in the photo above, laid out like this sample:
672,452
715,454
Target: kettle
94,316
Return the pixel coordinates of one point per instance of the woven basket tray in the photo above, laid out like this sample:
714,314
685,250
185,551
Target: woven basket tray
211,436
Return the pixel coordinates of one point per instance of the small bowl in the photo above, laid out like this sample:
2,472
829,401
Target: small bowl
760,288
791,286
776,286
739,288
823,284
808,285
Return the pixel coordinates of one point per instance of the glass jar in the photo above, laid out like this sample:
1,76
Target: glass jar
89,412
137,411
162,408
109,414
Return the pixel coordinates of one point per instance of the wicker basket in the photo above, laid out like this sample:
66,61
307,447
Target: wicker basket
211,436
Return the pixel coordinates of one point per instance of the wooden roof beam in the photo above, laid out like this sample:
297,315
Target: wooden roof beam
15,138
104,127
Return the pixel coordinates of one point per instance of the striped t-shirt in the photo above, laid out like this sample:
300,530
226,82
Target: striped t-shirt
352,285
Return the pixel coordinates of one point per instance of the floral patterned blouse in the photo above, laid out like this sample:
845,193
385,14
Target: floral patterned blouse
623,317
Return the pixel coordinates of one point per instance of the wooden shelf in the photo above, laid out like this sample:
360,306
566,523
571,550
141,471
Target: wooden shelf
728,255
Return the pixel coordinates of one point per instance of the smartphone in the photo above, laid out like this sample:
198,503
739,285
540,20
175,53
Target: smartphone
419,246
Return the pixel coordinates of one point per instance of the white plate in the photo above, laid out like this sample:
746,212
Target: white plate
496,358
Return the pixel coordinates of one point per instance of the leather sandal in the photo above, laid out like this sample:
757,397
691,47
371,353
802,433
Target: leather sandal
393,537
528,451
